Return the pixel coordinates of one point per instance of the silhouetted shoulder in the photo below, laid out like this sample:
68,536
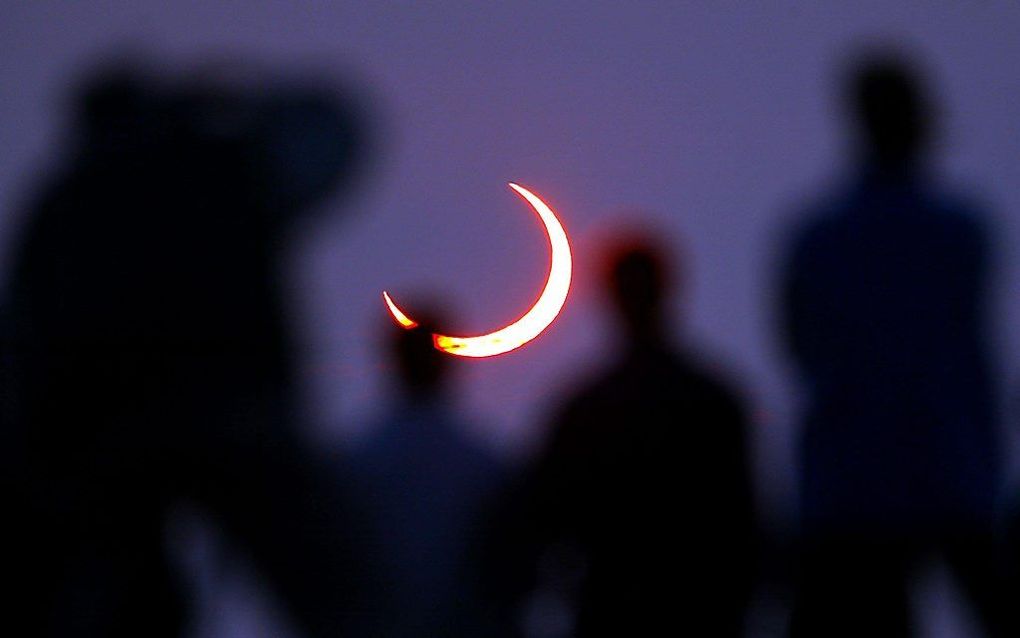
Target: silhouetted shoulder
821,214
814,223
963,214
658,393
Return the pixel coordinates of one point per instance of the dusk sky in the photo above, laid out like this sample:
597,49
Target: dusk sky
713,122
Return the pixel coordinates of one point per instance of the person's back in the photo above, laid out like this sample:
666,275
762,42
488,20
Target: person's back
885,303
424,488
645,476
146,344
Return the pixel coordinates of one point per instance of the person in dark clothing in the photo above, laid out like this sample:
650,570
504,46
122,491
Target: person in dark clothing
885,317
645,478
424,487
147,362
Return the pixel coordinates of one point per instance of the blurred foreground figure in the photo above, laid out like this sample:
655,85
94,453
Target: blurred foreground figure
645,482
425,489
885,316
147,362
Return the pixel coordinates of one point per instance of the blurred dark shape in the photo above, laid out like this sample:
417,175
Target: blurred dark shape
147,362
644,481
892,110
885,315
1011,560
425,488
637,282
421,367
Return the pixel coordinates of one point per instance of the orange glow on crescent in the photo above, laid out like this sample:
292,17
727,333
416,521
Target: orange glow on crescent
536,319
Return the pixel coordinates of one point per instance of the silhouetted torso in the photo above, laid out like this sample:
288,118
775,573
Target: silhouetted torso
886,318
425,488
645,475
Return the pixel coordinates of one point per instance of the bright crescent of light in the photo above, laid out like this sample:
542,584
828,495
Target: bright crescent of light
535,320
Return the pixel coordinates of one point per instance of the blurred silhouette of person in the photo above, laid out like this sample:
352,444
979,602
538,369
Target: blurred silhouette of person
148,362
644,482
425,488
885,309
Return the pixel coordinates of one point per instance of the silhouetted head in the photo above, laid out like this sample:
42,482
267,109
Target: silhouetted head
115,112
421,367
638,282
886,97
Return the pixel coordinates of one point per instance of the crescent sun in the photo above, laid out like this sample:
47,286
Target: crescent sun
536,319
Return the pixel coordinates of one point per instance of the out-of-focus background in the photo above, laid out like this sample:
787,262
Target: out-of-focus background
712,122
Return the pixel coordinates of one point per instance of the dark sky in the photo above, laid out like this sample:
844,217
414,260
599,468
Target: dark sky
715,122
